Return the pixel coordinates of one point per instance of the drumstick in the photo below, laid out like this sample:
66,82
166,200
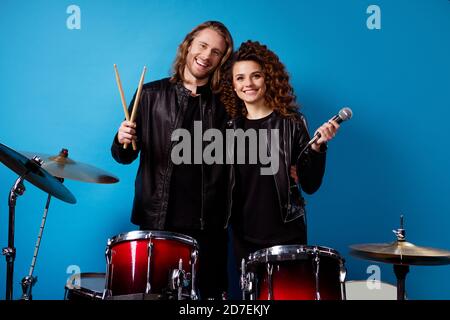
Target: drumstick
122,98
136,100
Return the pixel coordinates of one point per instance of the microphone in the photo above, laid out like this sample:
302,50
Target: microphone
344,114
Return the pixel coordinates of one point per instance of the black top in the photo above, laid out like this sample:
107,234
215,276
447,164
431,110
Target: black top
185,200
256,211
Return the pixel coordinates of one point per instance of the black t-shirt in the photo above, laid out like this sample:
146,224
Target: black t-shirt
185,195
256,215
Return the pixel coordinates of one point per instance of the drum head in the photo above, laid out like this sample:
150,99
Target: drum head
144,234
290,252
370,290
81,286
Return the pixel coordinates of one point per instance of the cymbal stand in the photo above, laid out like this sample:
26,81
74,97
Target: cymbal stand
10,252
401,270
29,281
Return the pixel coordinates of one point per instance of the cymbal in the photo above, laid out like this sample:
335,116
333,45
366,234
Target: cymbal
401,252
34,173
62,166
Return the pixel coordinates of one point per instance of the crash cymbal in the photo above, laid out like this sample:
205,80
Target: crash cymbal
62,166
401,252
34,173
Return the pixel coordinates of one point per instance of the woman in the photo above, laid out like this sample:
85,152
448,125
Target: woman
268,210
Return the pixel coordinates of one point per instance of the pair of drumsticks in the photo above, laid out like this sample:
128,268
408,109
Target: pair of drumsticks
136,100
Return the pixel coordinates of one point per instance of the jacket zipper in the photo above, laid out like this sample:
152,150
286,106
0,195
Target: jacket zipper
230,205
202,221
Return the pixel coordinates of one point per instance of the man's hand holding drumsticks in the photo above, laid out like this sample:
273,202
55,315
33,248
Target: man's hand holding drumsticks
127,134
127,129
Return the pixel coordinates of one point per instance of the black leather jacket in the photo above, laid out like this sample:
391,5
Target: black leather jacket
310,165
161,111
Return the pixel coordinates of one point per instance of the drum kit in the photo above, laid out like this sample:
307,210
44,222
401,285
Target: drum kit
155,265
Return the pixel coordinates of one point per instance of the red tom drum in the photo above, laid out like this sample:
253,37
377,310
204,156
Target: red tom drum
158,263
295,272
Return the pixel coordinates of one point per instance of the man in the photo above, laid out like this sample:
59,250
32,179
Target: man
186,198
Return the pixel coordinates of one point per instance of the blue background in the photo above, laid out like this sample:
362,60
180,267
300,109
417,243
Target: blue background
57,89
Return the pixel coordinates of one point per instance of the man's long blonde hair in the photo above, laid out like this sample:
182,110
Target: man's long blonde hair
180,60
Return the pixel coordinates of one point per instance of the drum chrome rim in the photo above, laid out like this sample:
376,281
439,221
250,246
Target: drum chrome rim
291,252
152,234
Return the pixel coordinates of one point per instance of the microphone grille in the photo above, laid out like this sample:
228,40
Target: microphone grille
345,113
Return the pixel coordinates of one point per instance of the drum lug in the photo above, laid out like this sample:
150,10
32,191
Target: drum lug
243,279
194,257
269,270
316,266
148,287
107,292
246,281
342,276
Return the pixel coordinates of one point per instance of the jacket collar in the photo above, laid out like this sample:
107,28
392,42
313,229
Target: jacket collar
205,91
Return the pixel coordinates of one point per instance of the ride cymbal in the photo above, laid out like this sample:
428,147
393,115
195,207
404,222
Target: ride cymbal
33,172
62,166
401,252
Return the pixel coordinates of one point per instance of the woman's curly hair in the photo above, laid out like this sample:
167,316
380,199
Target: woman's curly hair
279,93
